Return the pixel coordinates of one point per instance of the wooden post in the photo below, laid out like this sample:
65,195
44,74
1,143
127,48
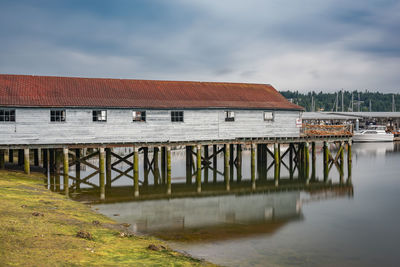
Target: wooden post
206,164
11,156
136,171
215,163
231,162
66,171
156,165
313,159
78,169
239,162
102,171
349,162
163,164
57,156
188,164
168,170
326,161
35,157
300,159
259,158
306,161
277,164
27,167
108,168
198,168
253,165
341,165
145,166
226,167
291,161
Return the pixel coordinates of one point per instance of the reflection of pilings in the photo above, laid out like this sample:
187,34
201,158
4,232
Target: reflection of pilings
27,167
253,166
349,162
198,168
78,169
102,174
215,163
226,167
66,171
136,171
239,162
168,152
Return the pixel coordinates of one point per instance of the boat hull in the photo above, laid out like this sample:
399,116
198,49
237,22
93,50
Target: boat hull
373,138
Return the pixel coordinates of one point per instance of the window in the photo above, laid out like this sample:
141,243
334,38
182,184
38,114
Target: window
57,115
7,114
229,116
100,115
139,115
269,116
176,116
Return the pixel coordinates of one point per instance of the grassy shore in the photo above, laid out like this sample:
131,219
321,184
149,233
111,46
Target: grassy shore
39,228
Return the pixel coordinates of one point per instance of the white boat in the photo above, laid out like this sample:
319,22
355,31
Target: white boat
374,133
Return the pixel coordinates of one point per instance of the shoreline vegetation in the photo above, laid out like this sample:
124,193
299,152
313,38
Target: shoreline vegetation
42,228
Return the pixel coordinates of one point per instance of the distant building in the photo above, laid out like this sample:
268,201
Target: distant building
63,110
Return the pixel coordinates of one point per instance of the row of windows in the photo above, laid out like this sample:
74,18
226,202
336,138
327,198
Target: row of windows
101,115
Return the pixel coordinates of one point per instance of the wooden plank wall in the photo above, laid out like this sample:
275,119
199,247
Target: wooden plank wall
33,126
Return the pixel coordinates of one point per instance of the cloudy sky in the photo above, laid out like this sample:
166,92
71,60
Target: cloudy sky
293,45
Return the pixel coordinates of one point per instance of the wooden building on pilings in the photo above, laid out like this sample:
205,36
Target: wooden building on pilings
59,116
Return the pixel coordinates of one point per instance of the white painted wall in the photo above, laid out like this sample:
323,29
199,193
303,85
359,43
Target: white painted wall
33,126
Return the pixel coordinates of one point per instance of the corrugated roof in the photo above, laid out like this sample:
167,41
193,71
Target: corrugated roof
49,91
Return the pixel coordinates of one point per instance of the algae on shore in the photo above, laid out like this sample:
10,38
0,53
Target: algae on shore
39,228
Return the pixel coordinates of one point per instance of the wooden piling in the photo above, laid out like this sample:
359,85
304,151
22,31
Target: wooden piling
326,161
341,164
215,163
78,169
102,171
163,164
306,161
253,166
206,164
188,164
57,160
156,165
239,162
349,162
136,171
145,166
226,167
27,167
11,156
168,152
291,161
2,159
65,171
108,168
277,164
313,161
231,161
198,168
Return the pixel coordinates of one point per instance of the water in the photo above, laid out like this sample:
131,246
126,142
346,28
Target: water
299,223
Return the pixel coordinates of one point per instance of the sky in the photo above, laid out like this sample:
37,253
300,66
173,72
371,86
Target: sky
293,45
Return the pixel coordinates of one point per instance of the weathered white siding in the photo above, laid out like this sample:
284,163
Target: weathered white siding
33,126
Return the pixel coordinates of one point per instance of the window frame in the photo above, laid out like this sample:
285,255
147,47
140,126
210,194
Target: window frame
11,115
229,115
271,119
55,115
142,118
96,113
176,117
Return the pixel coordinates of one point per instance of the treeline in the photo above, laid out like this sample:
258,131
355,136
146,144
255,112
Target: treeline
362,101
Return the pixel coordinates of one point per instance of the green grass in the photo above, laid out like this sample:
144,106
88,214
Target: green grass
50,240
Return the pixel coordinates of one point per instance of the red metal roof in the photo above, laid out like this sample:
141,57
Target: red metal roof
48,91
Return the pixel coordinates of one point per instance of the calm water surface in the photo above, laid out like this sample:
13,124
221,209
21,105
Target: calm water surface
349,225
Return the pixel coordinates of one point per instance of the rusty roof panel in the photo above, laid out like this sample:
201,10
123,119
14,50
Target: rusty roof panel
49,91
